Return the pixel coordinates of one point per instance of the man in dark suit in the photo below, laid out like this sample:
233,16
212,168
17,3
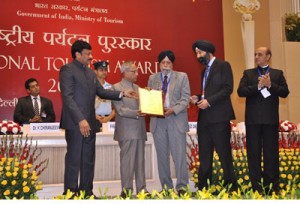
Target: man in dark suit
262,86
79,87
215,113
33,108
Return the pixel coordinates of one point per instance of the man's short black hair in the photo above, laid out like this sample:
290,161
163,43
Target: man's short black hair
78,46
28,81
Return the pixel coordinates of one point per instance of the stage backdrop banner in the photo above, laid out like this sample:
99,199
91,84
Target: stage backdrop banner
36,38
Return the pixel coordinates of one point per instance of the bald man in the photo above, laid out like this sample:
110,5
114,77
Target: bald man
262,86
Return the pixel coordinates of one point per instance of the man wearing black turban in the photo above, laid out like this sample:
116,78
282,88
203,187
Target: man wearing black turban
215,113
169,132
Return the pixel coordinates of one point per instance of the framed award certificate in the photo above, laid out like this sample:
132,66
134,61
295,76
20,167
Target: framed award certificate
151,102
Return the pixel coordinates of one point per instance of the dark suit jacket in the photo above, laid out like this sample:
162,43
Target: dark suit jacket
24,110
218,89
260,110
79,86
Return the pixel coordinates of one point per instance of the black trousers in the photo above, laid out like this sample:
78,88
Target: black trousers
263,139
214,136
79,159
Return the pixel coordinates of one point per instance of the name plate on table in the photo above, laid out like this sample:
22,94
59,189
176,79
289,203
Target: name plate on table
108,127
44,128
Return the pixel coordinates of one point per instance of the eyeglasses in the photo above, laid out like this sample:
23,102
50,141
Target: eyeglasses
86,53
166,62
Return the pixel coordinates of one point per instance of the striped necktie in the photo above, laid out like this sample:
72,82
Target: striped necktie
36,107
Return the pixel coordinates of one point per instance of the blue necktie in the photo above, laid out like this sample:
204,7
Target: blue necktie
165,87
205,80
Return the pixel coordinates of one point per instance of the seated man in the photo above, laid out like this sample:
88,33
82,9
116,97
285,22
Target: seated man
33,108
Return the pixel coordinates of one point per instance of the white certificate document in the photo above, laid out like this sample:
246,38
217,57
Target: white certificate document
151,102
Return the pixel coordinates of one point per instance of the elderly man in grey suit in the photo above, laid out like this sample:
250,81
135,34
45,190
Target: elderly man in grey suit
79,87
130,132
169,132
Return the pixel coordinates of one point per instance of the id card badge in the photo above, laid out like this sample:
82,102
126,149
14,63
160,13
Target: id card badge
265,93
43,115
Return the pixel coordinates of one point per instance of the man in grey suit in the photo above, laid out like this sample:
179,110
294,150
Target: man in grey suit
130,132
169,132
79,87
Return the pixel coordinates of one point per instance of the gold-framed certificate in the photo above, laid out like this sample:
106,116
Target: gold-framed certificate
151,102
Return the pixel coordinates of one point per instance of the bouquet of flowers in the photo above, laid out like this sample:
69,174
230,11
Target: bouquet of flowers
237,140
19,169
289,139
10,127
289,167
233,126
289,158
292,27
287,126
193,160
